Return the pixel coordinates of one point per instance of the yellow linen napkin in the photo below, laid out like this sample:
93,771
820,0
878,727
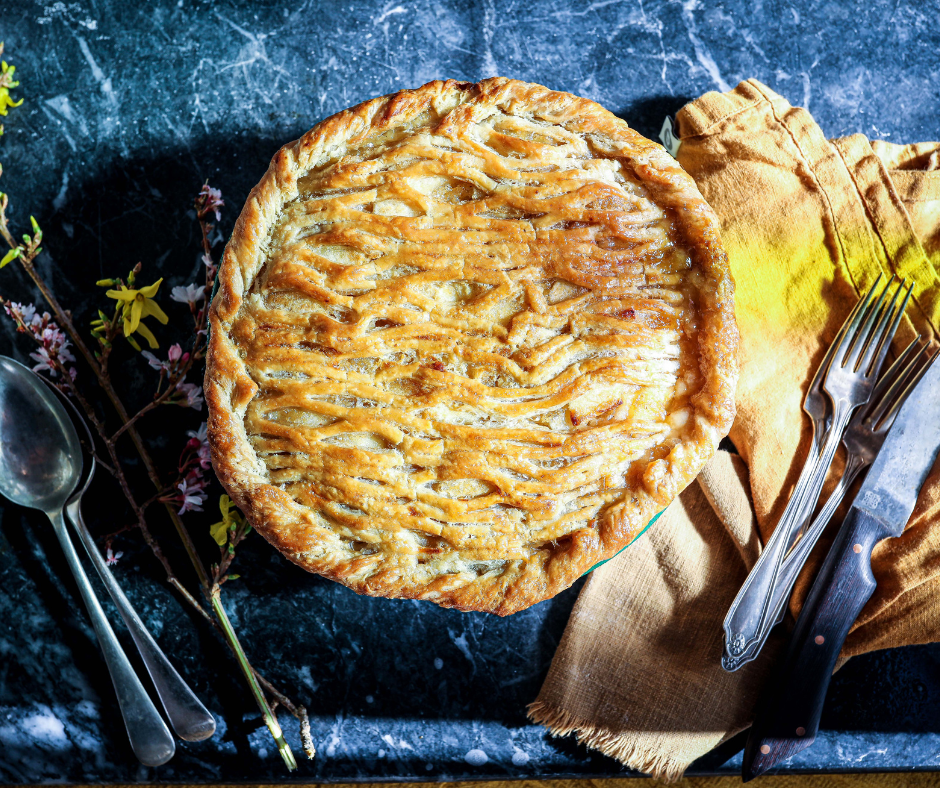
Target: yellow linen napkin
638,673
808,225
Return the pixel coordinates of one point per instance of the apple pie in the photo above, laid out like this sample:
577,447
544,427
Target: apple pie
469,339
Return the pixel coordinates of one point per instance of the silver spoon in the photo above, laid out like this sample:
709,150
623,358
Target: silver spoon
190,719
40,465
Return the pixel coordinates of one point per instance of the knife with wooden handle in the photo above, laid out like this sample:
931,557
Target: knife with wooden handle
789,711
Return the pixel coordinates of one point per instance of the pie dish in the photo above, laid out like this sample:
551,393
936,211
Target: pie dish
468,340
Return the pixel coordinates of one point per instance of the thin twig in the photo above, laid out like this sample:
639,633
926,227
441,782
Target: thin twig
100,369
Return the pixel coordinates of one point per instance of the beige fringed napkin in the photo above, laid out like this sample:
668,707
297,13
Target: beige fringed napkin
808,225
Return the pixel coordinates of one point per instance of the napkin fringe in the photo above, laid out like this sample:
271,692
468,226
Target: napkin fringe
620,746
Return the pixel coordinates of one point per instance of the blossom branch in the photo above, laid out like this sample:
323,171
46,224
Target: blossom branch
55,358
54,354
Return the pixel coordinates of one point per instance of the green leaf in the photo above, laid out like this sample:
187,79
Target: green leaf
35,224
10,256
233,576
219,532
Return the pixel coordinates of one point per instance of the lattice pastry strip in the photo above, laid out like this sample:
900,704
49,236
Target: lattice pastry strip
469,339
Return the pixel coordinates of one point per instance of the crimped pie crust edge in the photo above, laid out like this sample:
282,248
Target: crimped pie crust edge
229,387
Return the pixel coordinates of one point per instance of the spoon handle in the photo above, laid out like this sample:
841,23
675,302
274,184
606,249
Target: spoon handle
150,739
189,718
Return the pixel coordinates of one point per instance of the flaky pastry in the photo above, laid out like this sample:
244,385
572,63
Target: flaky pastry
468,340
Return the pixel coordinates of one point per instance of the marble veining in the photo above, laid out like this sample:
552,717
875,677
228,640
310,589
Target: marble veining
128,108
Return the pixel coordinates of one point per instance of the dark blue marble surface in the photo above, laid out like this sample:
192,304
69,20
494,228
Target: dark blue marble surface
129,108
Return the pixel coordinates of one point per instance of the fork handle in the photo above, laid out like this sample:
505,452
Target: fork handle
190,719
789,712
795,560
750,613
150,739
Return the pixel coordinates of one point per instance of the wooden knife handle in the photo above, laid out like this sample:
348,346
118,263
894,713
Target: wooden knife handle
789,711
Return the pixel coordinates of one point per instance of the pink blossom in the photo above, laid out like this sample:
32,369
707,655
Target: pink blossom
191,496
26,312
212,200
201,434
193,395
154,362
112,558
200,444
174,354
53,343
189,294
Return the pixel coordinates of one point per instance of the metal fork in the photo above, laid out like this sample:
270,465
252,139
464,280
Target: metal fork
818,406
740,622
863,439
848,381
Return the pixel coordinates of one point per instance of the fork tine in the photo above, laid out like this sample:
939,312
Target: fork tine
837,343
872,317
889,417
873,360
864,352
904,372
850,328
888,379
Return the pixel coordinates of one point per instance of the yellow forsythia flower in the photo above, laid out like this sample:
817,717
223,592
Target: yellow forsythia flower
136,305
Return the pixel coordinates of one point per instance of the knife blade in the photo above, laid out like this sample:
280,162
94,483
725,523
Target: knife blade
788,714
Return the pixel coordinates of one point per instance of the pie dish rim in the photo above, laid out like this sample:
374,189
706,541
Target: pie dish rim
229,386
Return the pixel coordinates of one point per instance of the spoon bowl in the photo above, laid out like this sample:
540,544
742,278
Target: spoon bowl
40,455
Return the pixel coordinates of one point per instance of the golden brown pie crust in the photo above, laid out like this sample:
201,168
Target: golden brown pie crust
468,340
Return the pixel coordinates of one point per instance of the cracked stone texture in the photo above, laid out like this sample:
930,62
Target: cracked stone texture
128,108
